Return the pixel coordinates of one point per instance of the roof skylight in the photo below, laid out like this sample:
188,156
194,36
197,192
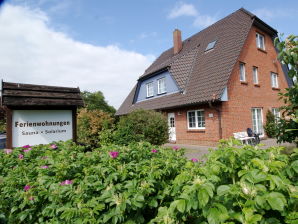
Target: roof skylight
210,45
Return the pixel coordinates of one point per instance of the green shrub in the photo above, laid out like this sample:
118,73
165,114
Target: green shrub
270,126
2,126
236,185
288,55
91,124
69,185
142,125
139,184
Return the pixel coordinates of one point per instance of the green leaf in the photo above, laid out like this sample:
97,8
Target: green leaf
181,205
250,217
276,200
153,203
255,218
238,216
213,216
203,197
294,166
222,190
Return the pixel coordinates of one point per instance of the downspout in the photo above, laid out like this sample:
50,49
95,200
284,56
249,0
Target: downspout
219,118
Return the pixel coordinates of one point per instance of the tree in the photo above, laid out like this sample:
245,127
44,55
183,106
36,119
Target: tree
288,126
270,126
96,101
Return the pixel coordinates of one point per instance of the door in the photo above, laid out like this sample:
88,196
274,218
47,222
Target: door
257,121
172,128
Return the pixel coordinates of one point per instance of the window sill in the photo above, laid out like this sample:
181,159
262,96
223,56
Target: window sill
196,131
161,93
275,88
148,97
260,49
257,85
244,82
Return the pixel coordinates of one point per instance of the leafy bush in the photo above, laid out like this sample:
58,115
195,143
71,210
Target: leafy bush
90,125
2,126
69,185
288,54
237,185
142,125
139,184
270,126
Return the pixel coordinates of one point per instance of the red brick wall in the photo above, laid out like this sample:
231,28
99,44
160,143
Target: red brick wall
207,136
244,96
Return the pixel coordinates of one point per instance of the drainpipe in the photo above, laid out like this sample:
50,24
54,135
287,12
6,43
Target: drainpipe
219,118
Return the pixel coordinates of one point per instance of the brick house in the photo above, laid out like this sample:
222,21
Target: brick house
219,81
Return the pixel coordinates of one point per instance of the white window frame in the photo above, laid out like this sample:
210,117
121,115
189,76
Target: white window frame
150,89
262,119
276,114
242,72
255,74
260,40
159,86
274,80
196,120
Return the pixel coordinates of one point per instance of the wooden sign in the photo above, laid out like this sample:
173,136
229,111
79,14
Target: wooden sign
39,114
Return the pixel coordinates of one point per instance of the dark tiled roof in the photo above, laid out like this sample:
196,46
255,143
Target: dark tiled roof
201,76
17,94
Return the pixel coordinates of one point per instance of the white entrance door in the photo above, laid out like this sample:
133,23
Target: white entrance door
172,128
257,121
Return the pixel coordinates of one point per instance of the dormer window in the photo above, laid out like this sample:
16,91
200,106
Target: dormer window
150,89
161,85
210,45
260,41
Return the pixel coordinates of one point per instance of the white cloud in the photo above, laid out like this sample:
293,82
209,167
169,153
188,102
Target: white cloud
182,9
31,52
270,14
264,14
204,21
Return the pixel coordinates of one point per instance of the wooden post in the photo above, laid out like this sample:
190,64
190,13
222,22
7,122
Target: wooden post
74,124
8,128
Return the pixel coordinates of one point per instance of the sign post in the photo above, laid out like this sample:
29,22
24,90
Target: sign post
39,114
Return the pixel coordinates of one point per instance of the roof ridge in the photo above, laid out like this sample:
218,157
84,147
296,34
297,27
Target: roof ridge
247,12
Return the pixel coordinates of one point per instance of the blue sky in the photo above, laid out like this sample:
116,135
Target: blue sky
98,44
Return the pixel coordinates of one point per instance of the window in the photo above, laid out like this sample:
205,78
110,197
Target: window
172,122
257,121
255,75
274,81
276,114
210,45
196,119
161,85
150,89
242,72
260,41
